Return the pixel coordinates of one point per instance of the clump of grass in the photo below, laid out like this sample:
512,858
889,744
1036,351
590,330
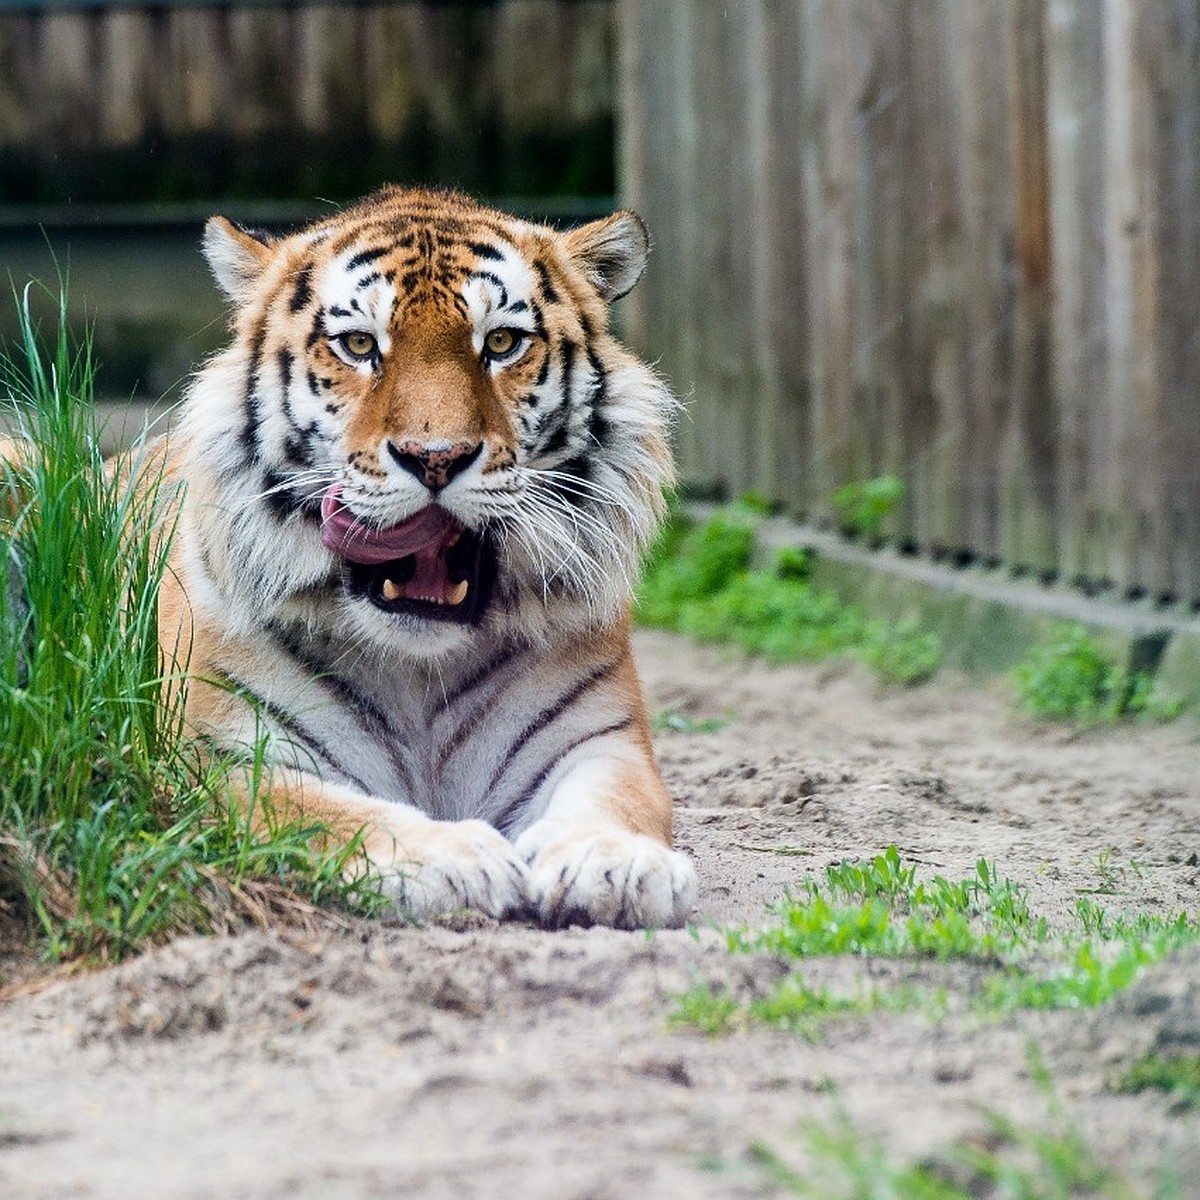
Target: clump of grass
1177,1075
113,826
671,720
863,507
880,908
1049,1159
1071,678
699,581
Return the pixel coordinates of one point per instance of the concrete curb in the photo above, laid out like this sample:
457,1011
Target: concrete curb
987,620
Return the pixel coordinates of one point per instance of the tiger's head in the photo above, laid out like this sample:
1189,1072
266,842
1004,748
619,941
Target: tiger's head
424,425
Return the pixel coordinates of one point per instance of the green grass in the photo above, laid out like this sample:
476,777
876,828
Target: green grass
699,581
1071,678
880,908
1046,1158
864,507
113,829
1176,1075
671,720
1047,1161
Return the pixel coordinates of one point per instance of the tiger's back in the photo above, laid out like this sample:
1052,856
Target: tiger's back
417,487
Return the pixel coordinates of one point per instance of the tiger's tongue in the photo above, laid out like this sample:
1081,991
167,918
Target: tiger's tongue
423,534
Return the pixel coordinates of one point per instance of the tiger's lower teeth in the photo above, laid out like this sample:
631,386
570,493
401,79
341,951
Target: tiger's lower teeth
455,594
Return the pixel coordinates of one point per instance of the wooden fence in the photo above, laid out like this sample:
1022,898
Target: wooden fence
141,101
956,242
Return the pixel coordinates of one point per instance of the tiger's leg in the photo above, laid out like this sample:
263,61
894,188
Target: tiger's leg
426,867
601,853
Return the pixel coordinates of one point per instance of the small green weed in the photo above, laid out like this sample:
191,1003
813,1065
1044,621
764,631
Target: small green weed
864,507
1072,679
880,908
698,581
792,1004
1046,1160
1178,1075
1019,1162
672,721
113,826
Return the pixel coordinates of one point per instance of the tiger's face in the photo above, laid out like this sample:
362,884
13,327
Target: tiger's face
425,415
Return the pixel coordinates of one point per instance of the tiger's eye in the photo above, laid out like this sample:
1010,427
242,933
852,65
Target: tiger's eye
359,343
500,342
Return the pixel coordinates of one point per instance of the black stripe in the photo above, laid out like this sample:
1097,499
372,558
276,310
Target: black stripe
569,350
511,811
251,413
283,501
373,719
297,445
285,358
280,500
555,441
291,727
518,306
336,310
469,724
303,293
551,713
367,280
473,680
495,280
598,424
548,292
483,250
366,256
318,328
581,468
539,325
555,434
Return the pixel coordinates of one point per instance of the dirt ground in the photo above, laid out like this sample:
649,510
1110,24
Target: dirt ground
498,1060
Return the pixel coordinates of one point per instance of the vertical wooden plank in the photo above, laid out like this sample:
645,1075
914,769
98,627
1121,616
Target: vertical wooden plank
754,238
785,348
1171,37
977,36
376,42
1028,469
884,110
1139,533
18,77
720,296
1177,173
657,133
65,116
935,376
832,80
201,44
125,91
1076,117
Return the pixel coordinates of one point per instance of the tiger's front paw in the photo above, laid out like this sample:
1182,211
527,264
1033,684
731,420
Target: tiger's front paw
449,865
588,876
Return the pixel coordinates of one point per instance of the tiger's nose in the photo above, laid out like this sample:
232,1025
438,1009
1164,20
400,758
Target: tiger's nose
435,464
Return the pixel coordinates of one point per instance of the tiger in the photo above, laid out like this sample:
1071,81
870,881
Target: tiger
415,491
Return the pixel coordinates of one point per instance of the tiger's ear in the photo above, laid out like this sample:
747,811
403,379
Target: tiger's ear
612,252
236,256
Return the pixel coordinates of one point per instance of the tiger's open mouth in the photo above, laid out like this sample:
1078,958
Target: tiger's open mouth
430,565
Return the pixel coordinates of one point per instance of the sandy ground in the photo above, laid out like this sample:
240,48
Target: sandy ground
490,1060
